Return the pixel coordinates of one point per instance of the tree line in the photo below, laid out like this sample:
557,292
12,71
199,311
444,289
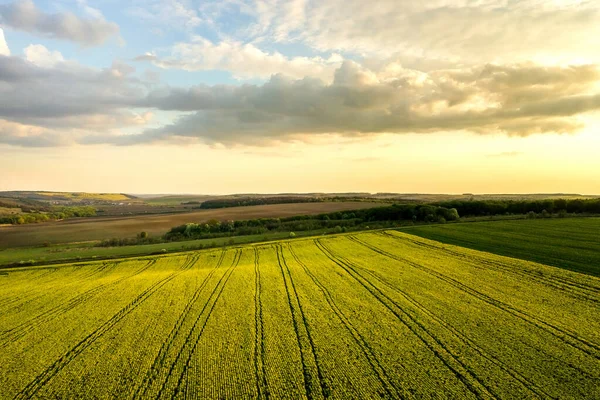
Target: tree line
56,213
259,201
371,218
475,208
336,220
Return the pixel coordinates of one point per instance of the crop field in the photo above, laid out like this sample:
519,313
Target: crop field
371,315
98,228
570,243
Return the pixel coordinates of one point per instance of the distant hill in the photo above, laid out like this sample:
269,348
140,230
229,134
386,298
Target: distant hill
66,197
171,199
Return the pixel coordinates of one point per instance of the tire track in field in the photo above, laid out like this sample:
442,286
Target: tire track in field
38,383
43,275
392,390
166,346
566,336
462,372
577,289
259,343
193,337
298,317
21,299
23,329
527,384
29,325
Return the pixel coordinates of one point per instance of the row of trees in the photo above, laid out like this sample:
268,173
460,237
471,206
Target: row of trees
57,213
348,219
502,207
256,201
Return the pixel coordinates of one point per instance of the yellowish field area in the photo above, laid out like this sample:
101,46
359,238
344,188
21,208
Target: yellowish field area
367,315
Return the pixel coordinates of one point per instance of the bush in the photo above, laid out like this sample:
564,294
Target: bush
292,234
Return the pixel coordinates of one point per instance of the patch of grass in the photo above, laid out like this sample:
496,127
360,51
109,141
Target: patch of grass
569,243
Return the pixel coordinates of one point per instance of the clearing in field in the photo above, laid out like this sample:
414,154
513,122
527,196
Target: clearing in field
355,316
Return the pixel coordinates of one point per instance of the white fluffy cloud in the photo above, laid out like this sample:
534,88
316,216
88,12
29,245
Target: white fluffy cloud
39,55
25,16
242,60
4,50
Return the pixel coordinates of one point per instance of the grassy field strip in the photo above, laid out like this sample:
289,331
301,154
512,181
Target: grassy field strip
570,243
160,359
361,304
484,364
473,383
144,330
389,388
563,333
28,282
22,329
582,313
282,355
222,361
313,376
572,284
565,358
35,299
169,383
54,338
366,315
51,371
506,273
259,334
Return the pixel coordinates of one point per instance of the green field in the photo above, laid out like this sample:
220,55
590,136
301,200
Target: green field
570,243
352,316
72,252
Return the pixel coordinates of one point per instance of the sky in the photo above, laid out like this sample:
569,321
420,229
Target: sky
269,96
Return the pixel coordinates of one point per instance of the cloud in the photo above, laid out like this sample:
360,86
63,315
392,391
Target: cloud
47,91
25,16
4,50
112,105
464,31
41,56
516,100
29,136
244,61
